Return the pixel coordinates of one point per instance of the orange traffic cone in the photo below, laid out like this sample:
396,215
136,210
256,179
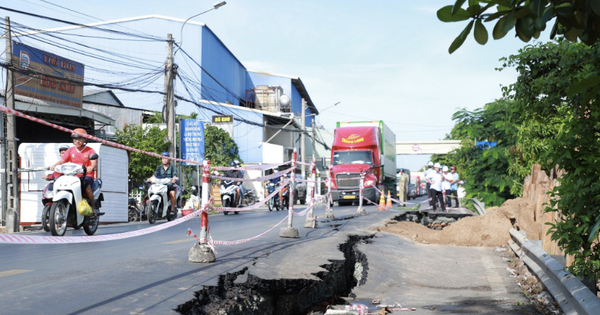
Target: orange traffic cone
381,202
388,204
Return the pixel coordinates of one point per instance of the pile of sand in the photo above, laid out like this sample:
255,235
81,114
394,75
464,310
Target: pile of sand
490,229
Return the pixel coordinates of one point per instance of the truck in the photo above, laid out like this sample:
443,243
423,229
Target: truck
362,146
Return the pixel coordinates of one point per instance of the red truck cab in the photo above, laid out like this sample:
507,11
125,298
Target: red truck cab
355,150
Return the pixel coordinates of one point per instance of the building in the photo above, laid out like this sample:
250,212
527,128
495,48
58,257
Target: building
124,62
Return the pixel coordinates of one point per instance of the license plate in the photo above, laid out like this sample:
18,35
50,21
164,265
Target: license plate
349,197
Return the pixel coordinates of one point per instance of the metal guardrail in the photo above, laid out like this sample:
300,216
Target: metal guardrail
572,295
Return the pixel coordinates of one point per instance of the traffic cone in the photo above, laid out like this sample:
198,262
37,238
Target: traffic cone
388,204
381,202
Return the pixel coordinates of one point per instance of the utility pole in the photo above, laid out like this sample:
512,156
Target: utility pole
10,197
169,104
313,138
302,144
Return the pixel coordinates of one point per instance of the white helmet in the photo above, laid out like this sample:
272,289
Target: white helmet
445,169
437,165
430,163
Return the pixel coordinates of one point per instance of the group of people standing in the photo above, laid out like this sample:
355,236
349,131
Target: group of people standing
442,186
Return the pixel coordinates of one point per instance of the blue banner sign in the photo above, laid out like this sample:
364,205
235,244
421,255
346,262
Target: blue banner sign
192,140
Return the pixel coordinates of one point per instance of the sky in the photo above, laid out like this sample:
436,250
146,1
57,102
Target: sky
381,60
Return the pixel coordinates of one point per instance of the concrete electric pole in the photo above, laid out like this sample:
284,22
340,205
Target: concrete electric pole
169,104
302,144
10,197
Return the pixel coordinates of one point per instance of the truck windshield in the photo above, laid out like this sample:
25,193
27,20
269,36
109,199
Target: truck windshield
352,157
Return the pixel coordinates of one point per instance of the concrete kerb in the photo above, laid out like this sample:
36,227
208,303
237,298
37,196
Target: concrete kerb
570,293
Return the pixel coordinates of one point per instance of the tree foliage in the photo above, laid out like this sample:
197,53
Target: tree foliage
150,139
219,148
486,170
563,129
574,19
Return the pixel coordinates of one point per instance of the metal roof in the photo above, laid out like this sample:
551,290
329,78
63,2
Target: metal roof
297,82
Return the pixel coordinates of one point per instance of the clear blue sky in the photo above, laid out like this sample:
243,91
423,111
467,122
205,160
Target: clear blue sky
382,60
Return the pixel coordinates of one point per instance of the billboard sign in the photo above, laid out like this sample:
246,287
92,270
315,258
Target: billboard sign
192,140
47,77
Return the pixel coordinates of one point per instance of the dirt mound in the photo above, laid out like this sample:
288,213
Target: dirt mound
490,229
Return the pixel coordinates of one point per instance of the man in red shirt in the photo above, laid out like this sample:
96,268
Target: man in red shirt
80,154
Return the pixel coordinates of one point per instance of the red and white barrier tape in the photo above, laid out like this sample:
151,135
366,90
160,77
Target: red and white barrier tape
253,167
31,239
256,205
258,179
110,143
213,242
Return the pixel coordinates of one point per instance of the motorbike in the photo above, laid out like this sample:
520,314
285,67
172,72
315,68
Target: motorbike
47,196
228,195
250,197
273,203
159,204
285,197
67,197
134,211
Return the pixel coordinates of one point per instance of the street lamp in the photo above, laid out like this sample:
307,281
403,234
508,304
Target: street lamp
215,6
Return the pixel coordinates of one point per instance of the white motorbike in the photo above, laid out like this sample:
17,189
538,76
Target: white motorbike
159,204
67,198
228,195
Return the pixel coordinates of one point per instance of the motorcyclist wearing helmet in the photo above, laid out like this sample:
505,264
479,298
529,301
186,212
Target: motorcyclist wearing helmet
166,170
80,154
235,173
61,151
275,181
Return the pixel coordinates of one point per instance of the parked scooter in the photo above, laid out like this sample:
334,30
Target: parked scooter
228,195
159,204
47,196
134,211
67,198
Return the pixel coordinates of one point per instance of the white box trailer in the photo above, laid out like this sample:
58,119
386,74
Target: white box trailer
113,169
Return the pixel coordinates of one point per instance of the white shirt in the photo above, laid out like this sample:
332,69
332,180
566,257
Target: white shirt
446,184
436,180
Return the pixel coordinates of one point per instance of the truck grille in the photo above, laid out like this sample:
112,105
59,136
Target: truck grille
347,181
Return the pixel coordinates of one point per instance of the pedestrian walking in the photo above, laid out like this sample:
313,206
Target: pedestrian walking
454,187
434,178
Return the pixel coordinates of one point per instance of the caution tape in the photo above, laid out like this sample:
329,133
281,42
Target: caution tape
258,179
110,143
31,239
253,167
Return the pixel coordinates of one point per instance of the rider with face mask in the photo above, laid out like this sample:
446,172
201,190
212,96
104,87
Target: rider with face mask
167,170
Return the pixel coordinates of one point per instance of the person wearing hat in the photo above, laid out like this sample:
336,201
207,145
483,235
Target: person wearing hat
435,181
167,170
428,185
80,154
454,187
233,172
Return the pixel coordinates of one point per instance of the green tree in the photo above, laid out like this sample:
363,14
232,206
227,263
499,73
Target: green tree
486,170
575,19
559,130
219,148
150,139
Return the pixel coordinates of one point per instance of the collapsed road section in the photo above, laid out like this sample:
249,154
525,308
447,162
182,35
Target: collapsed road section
431,219
243,293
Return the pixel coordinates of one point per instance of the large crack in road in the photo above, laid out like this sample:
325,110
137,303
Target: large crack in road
241,293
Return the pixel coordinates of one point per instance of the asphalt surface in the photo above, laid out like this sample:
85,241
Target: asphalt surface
151,274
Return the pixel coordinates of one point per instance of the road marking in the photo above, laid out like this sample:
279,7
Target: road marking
181,241
13,272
